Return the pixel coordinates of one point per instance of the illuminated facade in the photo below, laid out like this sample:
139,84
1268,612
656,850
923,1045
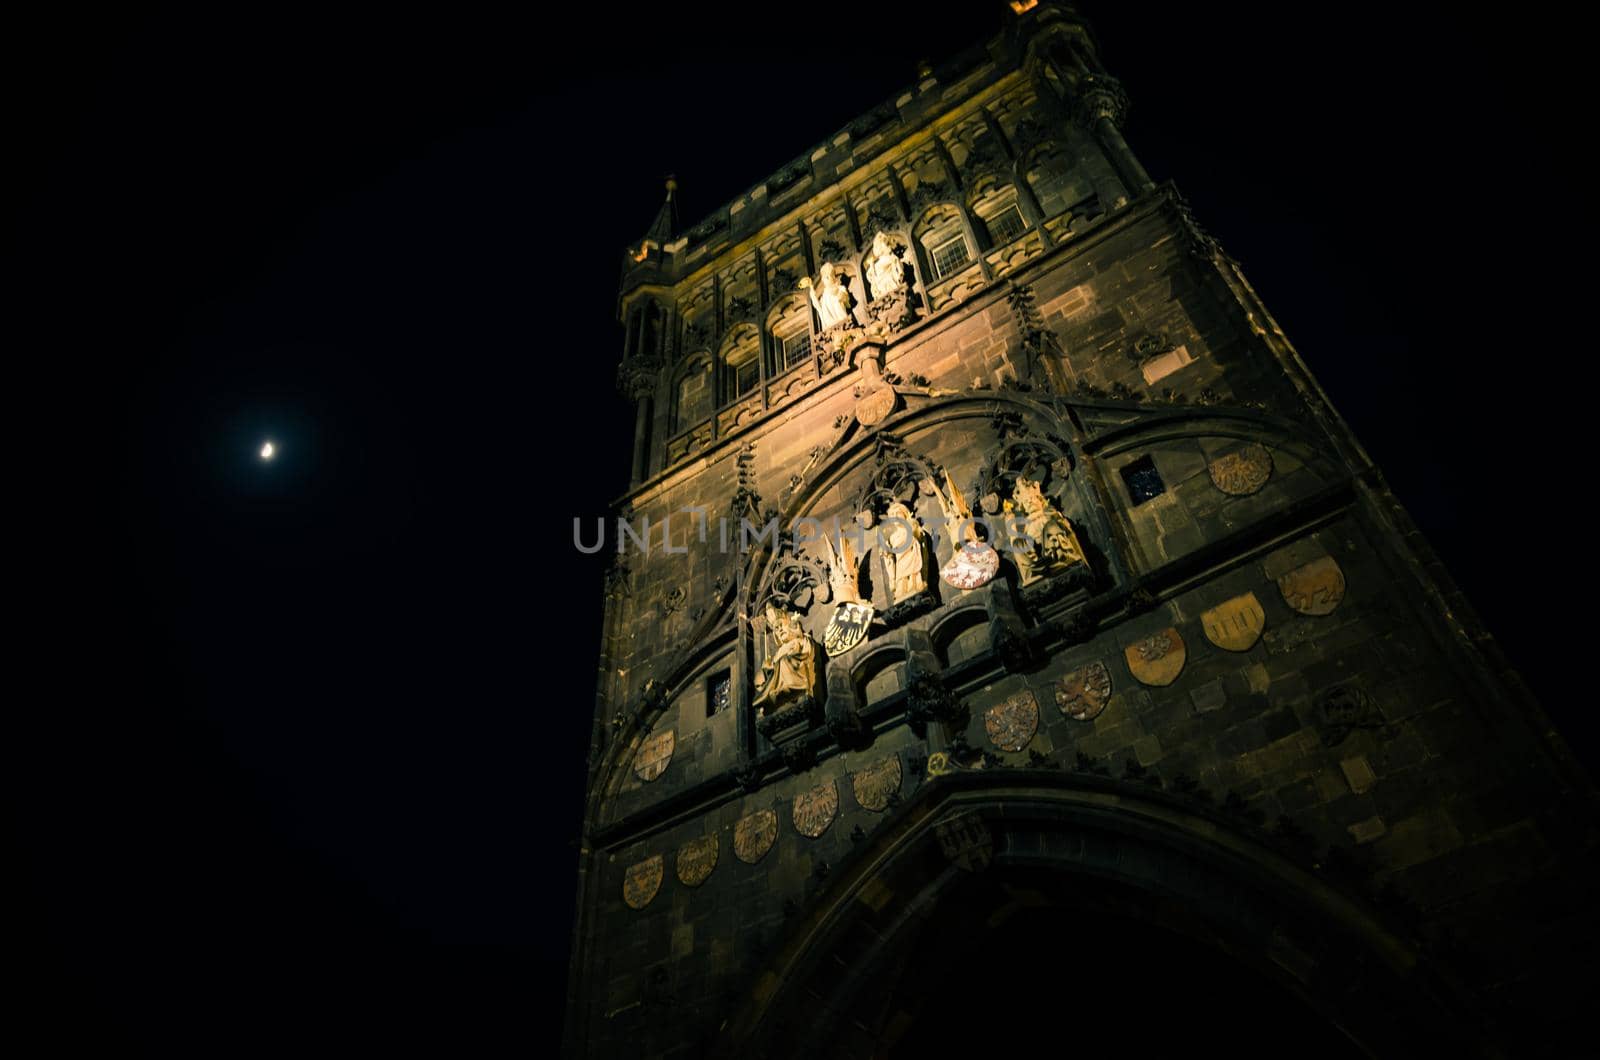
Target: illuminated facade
1080,590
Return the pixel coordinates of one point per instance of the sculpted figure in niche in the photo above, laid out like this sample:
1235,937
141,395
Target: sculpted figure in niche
844,570
789,672
1042,540
900,545
886,272
829,297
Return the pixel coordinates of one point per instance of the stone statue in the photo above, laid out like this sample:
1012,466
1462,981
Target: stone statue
1042,540
789,672
900,545
829,297
844,569
885,271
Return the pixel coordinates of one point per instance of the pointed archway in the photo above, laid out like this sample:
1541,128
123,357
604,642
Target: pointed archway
986,895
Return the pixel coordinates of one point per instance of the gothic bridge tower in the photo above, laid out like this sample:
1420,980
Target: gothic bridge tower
1087,622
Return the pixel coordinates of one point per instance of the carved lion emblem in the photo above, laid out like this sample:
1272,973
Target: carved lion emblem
1315,588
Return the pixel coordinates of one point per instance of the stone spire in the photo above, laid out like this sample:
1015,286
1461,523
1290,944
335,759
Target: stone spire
666,222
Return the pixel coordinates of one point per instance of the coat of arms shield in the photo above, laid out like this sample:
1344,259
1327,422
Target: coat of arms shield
967,841
847,627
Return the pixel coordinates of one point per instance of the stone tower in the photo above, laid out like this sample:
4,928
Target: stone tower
990,548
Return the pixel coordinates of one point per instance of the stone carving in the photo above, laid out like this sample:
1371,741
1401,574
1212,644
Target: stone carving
878,783
875,403
754,834
832,251
929,700
653,756
640,882
1084,693
973,563
1243,473
844,569
636,377
1343,710
966,840
674,601
829,297
1315,588
886,270
1157,659
1042,540
696,859
789,673
1235,625
926,193
1012,722
900,541
848,625
881,215
815,808
1102,97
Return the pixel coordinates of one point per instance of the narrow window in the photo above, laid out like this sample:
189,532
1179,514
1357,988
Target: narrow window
748,374
719,692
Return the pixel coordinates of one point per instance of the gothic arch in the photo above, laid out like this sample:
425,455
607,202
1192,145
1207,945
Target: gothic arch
950,628
841,961
879,661
737,336
1157,425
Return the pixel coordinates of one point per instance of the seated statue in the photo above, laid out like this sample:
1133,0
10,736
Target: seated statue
1042,540
886,272
789,672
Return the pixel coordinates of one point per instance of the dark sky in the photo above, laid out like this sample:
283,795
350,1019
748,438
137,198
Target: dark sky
303,764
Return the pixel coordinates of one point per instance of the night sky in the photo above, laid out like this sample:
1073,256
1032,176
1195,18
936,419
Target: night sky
302,766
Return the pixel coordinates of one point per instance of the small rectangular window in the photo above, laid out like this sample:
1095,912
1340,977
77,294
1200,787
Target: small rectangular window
796,348
948,257
719,693
1006,225
1143,480
743,377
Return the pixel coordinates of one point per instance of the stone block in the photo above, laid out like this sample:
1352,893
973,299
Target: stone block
1358,774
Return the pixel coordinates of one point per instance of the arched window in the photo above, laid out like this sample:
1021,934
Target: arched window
944,241
741,363
996,206
789,323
